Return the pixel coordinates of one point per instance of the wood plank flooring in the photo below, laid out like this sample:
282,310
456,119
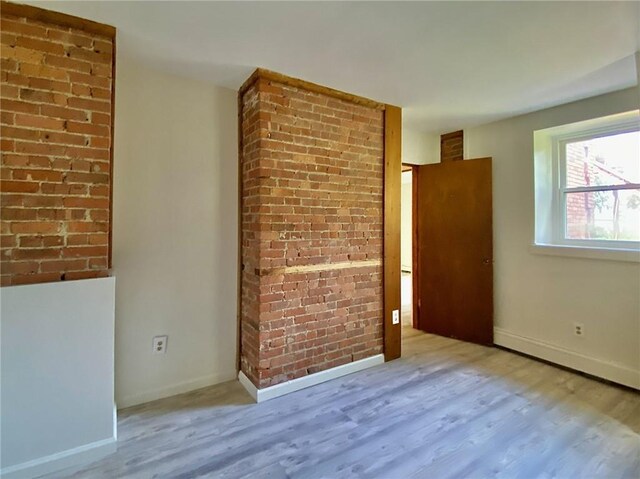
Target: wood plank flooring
447,409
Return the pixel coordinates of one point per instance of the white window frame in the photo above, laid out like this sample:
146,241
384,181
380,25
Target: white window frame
549,180
560,190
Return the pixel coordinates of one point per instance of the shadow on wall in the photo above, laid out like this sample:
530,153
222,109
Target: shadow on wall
175,233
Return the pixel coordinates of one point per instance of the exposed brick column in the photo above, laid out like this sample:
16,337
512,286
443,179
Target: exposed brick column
451,146
56,148
312,180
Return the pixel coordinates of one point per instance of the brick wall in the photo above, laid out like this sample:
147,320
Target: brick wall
56,150
312,232
451,146
579,206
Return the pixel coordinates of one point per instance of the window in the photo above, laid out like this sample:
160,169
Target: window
600,188
588,184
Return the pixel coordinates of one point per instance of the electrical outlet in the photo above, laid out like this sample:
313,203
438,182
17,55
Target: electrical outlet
395,317
578,329
160,344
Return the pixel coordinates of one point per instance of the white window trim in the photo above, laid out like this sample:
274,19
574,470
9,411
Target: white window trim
550,236
625,255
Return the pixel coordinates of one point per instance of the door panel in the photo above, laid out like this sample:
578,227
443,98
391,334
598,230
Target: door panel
455,249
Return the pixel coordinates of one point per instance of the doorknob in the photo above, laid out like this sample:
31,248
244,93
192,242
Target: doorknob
486,261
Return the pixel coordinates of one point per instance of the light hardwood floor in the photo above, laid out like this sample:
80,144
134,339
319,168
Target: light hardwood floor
446,409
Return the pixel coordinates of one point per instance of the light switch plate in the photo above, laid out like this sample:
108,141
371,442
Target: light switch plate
395,317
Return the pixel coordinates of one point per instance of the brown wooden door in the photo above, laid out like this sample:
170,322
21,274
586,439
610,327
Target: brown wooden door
455,250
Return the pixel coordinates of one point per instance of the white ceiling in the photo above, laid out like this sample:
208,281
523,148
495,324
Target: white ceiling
448,64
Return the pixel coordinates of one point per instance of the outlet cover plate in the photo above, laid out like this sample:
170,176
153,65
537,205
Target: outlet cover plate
578,329
160,344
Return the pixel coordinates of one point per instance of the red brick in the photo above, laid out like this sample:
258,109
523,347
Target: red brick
22,54
37,175
20,106
313,180
40,45
42,71
37,227
11,25
75,202
52,85
90,56
22,133
87,104
6,118
20,267
8,65
14,214
43,122
84,251
100,118
63,265
73,275
19,186
38,96
88,129
79,40
86,79
451,146
67,63
63,112
87,227
56,152
9,92
35,278
36,253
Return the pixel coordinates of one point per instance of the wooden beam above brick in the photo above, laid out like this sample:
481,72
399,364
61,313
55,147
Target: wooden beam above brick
264,74
57,18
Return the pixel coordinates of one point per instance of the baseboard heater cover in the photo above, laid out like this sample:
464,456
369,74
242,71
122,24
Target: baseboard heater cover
271,392
608,370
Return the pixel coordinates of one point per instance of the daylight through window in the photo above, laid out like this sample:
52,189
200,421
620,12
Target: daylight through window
600,183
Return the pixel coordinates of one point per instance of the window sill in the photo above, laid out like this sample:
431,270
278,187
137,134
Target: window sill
626,255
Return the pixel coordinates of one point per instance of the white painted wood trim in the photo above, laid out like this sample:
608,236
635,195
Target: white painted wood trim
248,385
77,456
260,395
615,372
626,255
172,390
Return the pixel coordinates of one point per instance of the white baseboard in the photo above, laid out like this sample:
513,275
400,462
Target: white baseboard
179,388
556,354
260,395
77,456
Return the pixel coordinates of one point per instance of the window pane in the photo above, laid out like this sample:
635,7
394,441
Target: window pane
610,160
604,215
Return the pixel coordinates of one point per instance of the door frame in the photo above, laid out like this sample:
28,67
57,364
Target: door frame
392,269
415,297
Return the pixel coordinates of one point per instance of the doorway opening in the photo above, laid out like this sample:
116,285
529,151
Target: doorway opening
407,253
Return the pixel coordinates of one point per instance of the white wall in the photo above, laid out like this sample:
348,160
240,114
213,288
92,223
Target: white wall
175,233
638,72
419,148
538,297
57,375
